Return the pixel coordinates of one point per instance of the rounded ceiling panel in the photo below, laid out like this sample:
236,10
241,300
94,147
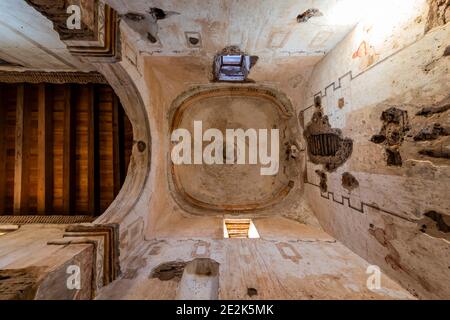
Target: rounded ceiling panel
231,187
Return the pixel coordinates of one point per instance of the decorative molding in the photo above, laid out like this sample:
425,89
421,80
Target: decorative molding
99,36
55,11
110,235
21,220
336,85
51,77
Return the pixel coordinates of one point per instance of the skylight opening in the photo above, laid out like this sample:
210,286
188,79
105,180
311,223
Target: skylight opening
233,65
233,68
232,60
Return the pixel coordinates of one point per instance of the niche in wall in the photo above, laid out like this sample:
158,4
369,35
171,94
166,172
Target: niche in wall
64,149
326,145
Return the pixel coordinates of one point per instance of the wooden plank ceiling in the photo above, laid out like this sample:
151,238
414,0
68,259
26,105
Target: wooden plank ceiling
64,149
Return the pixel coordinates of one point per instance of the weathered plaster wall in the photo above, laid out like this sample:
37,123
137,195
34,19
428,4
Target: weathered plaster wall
130,208
384,63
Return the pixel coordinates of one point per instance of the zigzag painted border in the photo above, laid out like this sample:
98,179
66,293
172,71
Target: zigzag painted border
331,196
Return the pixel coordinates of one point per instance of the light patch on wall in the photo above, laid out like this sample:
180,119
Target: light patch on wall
321,39
380,18
384,13
347,12
5,229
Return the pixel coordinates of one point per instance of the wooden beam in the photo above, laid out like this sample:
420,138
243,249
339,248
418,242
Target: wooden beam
45,151
70,98
21,172
3,146
117,144
93,153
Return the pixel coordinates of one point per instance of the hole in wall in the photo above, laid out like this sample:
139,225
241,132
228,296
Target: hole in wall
438,153
193,39
323,181
435,224
308,14
159,13
169,271
393,158
437,108
151,38
318,102
326,145
251,292
447,52
349,182
432,132
141,146
392,134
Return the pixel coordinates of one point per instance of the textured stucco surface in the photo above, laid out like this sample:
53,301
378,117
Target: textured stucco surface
408,71
303,263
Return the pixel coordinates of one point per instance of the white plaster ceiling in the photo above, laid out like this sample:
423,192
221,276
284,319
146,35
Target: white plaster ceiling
259,27
267,28
27,38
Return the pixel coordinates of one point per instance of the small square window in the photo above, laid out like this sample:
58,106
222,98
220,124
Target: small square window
239,229
233,68
233,65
